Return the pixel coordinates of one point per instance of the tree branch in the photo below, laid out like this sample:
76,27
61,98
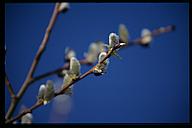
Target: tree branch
10,89
56,71
137,41
62,91
155,32
29,110
35,62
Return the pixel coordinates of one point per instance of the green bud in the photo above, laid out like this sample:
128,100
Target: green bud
123,33
69,53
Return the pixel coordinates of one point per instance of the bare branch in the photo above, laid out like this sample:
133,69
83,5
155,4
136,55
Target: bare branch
35,62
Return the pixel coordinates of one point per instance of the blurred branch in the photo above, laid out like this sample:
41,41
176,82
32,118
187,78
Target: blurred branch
154,33
35,62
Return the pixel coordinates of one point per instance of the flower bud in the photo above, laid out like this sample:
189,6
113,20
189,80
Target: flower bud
69,53
94,50
123,33
27,118
41,92
64,6
74,66
113,39
49,91
146,37
102,56
67,80
100,69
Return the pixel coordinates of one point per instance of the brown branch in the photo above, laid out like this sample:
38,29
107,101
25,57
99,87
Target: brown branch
109,53
154,33
137,41
56,71
34,63
10,89
62,91
35,106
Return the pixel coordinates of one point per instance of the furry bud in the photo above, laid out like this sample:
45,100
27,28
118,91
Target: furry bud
113,39
64,6
74,66
100,69
146,37
69,53
94,50
67,80
49,91
41,92
27,118
123,33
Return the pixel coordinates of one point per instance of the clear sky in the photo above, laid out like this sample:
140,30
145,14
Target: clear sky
150,85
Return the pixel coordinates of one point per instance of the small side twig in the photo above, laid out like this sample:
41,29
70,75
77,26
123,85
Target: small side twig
10,89
56,71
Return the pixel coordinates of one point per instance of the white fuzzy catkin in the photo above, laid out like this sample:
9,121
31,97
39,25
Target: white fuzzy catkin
101,68
146,36
27,118
113,39
102,56
69,53
74,66
49,92
41,92
64,6
67,80
94,49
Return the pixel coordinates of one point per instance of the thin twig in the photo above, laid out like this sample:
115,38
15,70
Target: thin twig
35,62
56,71
10,89
155,32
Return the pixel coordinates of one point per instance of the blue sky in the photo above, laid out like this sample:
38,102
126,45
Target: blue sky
150,85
